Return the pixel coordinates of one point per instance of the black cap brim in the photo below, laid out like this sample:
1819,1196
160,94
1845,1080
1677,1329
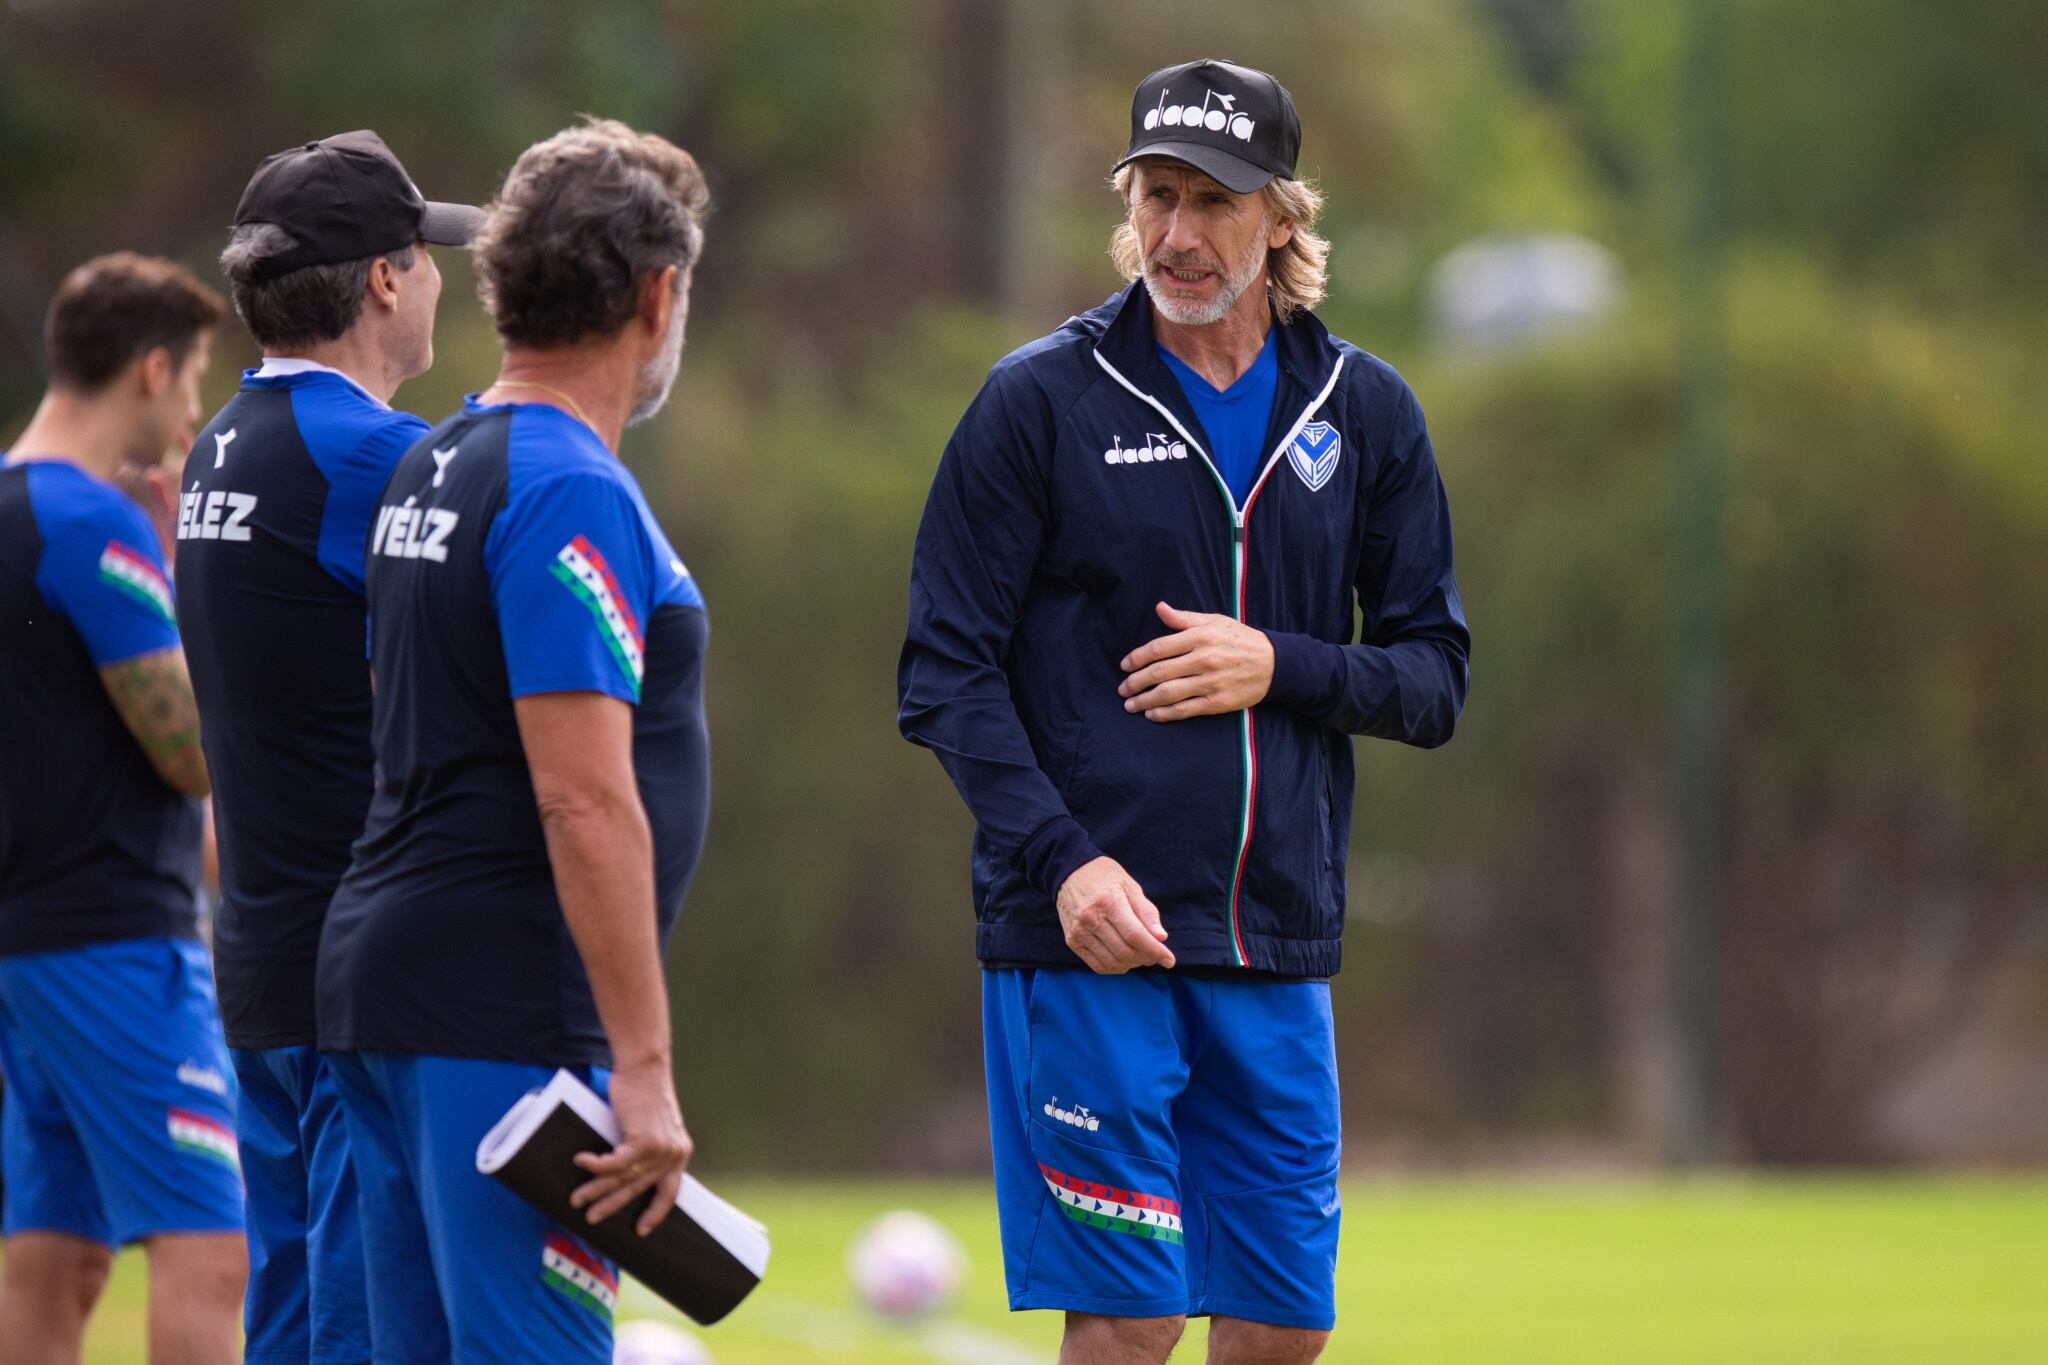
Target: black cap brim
450,224
1233,173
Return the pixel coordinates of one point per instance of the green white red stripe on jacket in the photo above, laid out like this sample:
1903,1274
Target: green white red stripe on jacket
1240,557
128,570
1114,1209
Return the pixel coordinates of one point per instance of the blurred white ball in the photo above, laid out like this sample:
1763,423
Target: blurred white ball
647,1342
903,1265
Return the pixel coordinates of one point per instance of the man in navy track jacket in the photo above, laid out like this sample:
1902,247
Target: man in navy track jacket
1132,646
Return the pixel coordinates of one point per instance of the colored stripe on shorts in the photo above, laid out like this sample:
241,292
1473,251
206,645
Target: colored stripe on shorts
571,1269
202,1136
1113,1208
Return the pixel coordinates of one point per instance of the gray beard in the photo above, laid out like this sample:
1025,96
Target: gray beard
1191,314
659,375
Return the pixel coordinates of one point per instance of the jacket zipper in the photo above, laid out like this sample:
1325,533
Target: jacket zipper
1240,559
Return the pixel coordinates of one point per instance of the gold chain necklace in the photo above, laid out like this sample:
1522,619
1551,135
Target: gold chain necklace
552,392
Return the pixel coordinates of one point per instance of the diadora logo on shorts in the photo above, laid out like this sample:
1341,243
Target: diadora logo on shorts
202,1077
1223,118
409,532
1078,1116
1156,447
1314,454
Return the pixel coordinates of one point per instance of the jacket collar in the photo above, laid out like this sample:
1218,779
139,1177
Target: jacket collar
1307,356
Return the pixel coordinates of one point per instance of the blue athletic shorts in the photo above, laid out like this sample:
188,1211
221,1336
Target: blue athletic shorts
1164,1144
461,1268
119,1121
306,1302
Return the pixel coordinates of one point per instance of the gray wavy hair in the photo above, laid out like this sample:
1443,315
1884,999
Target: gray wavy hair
582,219
1297,274
304,307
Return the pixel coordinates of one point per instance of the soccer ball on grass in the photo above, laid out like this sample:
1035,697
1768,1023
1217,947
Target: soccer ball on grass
903,1265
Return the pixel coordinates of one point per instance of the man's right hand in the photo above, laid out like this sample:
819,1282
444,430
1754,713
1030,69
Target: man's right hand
654,1148
1109,922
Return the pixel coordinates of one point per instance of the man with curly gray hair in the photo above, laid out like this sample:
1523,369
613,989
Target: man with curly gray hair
1132,646
539,729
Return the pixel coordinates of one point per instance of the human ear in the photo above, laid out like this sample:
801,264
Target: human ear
658,299
155,371
383,283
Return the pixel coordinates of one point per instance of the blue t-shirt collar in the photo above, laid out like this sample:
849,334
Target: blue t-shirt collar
1256,376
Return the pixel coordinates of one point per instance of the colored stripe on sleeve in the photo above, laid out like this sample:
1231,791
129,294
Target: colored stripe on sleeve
127,570
583,570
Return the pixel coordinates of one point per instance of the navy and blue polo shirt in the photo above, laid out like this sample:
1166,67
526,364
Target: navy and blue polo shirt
511,554
94,847
272,519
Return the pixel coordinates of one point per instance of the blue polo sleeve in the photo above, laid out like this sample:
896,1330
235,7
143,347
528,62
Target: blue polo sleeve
103,570
1406,678
983,529
571,570
356,468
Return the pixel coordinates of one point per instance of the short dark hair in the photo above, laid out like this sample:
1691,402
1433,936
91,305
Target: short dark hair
118,307
582,219
302,307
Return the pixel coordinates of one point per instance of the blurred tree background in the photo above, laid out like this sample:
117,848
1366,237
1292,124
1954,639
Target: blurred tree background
906,190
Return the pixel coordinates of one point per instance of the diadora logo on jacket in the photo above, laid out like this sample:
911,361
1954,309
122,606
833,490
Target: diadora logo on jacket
1314,454
1156,447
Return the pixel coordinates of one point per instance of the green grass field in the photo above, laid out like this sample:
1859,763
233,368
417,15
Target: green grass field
1901,1271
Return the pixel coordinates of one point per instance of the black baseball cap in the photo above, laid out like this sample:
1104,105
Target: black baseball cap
346,197
1228,121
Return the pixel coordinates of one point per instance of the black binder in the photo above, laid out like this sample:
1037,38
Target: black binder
704,1258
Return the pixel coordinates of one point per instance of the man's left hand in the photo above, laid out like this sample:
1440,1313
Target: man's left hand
1209,666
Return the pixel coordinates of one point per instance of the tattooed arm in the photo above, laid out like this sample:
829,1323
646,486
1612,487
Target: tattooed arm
153,693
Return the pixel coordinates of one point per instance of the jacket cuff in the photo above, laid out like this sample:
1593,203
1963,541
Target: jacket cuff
1307,673
1051,855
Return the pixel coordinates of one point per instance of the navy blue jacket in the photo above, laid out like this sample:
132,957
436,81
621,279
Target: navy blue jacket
1077,493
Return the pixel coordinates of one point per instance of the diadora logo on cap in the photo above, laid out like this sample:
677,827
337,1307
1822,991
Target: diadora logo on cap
1314,454
1223,117
1156,447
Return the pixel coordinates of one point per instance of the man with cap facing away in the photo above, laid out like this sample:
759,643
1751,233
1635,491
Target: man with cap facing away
1131,645
330,271
542,775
